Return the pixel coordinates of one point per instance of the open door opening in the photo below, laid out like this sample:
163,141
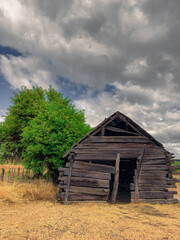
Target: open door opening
126,174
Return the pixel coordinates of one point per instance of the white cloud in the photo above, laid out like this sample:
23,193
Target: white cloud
2,113
132,46
153,115
24,71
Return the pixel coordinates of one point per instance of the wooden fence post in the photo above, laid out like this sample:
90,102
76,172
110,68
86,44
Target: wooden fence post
14,174
116,180
2,174
18,172
9,171
23,174
26,174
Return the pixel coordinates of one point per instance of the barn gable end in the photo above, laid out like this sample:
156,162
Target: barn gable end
142,173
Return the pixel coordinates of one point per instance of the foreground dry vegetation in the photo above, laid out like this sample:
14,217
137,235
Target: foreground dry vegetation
29,211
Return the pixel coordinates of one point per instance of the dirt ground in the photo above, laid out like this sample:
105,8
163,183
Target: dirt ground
25,214
47,220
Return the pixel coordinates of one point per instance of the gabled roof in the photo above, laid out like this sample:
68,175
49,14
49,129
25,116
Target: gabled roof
117,115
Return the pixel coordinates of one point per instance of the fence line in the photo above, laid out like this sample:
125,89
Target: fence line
13,174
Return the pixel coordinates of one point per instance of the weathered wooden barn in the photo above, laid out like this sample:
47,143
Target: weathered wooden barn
117,161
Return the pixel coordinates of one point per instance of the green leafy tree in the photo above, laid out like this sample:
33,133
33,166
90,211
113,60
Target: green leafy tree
51,133
24,107
39,128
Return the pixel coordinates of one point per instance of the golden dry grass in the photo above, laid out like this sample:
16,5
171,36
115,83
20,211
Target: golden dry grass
28,190
7,166
93,221
28,211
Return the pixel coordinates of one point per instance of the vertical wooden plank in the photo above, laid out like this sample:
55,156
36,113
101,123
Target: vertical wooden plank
136,187
2,174
116,180
137,172
9,171
26,174
68,183
23,174
18,172
140,160
103,131
14,174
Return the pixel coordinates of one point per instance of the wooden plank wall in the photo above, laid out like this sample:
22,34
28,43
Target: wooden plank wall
154,179
88,182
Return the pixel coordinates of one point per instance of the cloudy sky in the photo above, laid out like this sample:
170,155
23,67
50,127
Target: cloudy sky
106,55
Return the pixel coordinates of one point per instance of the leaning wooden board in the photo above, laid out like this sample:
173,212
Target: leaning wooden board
88,182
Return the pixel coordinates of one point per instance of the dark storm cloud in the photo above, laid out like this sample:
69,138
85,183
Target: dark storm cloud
132,45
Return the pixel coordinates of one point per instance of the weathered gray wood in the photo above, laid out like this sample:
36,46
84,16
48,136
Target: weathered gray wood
176,180
176,172
92,167
88,174
2,174
14,173
68,183
105,150
154,162
115,145
123,139
151,194
18,172
142,187
140,162
153,174
155,180
116,180
175,160
157,201
136,193
103,157
23,174
88,190
154,167
86,197
104,123
174,167
9,171
86,182
114,129
103,131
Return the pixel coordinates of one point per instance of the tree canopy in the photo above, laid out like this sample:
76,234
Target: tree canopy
40,127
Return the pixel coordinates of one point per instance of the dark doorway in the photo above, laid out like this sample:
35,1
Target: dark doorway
126,174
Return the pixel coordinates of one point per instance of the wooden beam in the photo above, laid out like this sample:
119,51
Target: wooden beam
140,160
68,183
86,173
114,129
117,139
103,131
104,123
128,123
136,197
116,180
92,167
85,182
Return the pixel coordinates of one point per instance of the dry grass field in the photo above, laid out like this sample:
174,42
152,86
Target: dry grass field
29,211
